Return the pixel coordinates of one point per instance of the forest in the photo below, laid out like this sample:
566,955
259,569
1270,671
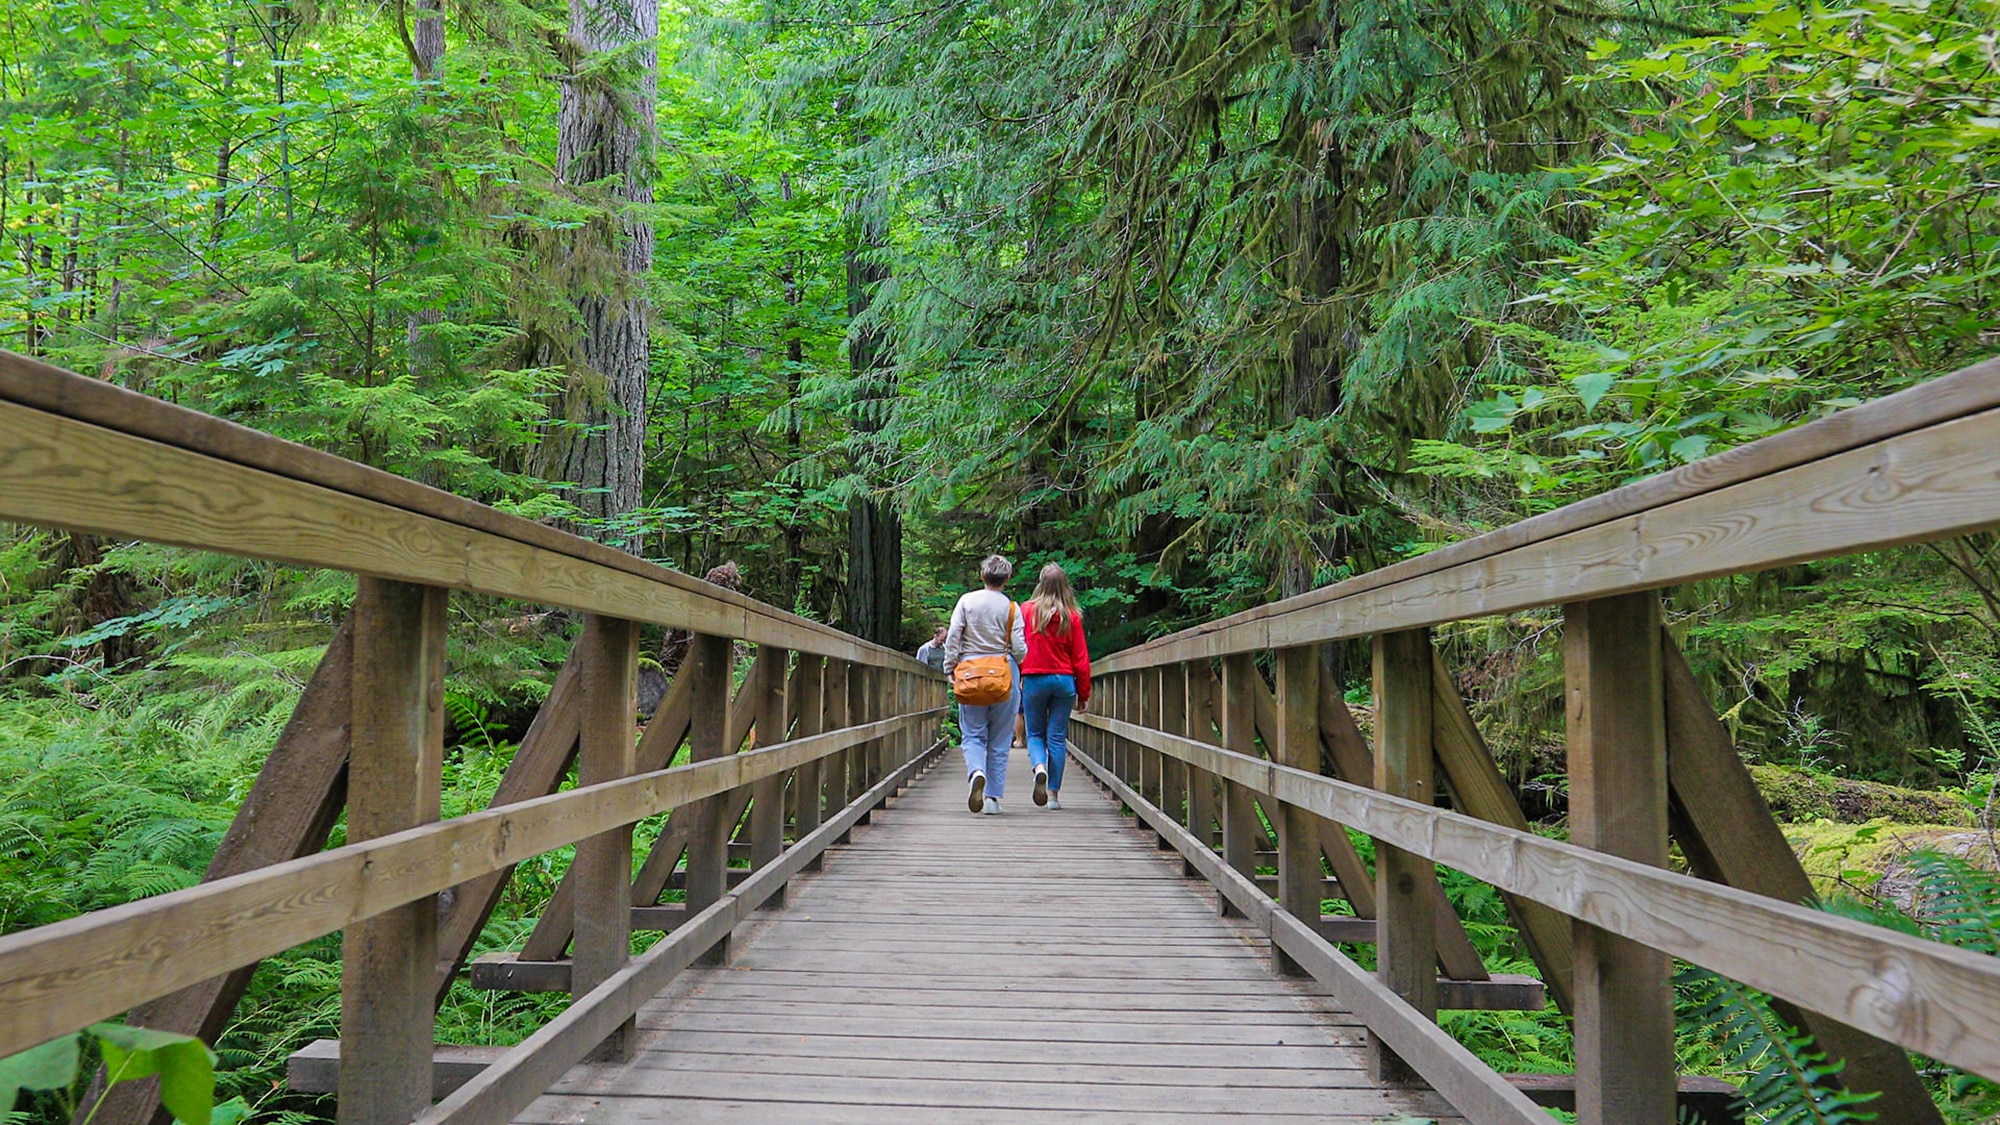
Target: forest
1211,301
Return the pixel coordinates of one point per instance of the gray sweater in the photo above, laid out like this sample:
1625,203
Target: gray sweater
979,628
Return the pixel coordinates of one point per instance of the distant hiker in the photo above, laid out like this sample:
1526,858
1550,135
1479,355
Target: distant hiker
931,652
982,655
1054,679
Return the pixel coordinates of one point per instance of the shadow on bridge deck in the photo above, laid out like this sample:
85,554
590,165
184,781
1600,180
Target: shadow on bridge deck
949,967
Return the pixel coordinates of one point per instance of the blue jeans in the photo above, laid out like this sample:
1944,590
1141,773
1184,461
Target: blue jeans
986,734
1048,698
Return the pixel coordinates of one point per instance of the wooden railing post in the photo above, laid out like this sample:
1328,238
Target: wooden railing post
862,707
835,695
394,782
1201,688
709,659
1301,879
767,797
1152,763
1406,910
1241,831
1618,804
606,750
809,784
1173,719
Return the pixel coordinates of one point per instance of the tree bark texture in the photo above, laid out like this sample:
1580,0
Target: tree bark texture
874,608
604,156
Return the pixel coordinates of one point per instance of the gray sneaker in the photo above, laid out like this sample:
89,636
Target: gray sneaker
992,806
975,795
1053,803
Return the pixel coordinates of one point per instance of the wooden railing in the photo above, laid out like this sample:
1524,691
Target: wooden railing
840,725
1178,732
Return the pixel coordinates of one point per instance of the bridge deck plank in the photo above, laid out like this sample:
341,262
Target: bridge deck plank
1030,967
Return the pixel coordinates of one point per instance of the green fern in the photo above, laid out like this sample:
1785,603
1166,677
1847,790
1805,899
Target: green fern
1785,1081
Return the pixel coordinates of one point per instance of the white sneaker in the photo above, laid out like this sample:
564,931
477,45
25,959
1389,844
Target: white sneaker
1053,803
975,793
992,806
1041,786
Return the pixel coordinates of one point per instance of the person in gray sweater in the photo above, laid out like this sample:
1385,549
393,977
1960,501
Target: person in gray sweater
987,623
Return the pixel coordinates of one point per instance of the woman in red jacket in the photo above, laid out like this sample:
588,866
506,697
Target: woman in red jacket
1054,678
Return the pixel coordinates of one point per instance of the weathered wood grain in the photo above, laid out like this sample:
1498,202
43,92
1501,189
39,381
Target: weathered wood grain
607,751
63,976
767,797
60,473
1472,1087
1242,833
537,769
1617,738
1931,998
148,421
1405,911
394,783
1300,876
1933,405
518,1077
1476,787
293,805
1728,834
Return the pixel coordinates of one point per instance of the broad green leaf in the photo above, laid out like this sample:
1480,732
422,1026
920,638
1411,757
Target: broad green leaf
185,1065
50,1066
1593,387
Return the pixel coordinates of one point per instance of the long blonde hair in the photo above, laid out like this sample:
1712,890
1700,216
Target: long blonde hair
1053,600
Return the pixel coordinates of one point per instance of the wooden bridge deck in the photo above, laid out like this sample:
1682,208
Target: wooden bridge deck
1033,966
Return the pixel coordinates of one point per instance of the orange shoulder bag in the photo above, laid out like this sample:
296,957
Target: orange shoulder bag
981,681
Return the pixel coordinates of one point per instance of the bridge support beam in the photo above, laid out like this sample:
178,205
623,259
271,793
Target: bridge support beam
1617,738
767,797
809,784
1241,830
709,660
1301,879
1406,928
606,751
394,782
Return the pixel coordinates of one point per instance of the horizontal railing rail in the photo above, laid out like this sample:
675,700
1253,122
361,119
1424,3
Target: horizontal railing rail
1927,996
81,455
1200,730
85,455
1913,466
66,975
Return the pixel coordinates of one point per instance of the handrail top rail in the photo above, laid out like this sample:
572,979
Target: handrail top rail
1962,394
1935,998
40,386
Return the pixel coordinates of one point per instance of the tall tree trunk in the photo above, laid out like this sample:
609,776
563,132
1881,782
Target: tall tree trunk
1315,265
795,362
874,608
605,154
426,52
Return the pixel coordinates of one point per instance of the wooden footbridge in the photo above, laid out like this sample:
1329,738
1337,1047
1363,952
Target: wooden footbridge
851,944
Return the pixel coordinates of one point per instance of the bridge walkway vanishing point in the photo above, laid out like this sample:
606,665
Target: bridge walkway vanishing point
1234,733
1033,966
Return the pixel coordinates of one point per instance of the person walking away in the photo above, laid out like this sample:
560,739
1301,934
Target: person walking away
1055,678
987,636
931,652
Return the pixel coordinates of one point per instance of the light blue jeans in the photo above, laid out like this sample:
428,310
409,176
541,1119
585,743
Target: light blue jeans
986,734
1048,698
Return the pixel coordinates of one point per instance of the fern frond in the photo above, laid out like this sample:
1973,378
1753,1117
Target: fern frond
1786,1081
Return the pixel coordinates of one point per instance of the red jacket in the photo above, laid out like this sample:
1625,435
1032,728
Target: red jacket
1063,655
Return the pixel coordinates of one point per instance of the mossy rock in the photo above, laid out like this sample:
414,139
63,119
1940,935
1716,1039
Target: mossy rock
1799,796
1872,860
